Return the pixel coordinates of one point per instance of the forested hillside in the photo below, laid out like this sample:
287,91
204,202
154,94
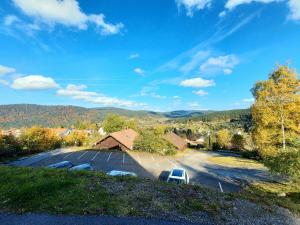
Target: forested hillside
55,116
26,115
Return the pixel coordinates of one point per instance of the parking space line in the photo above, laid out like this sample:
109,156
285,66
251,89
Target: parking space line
123,158
108,157
95,156
82,155
152,158
68,155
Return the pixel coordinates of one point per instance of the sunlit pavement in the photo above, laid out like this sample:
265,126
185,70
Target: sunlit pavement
155,166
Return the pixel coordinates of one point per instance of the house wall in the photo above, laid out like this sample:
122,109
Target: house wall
109,143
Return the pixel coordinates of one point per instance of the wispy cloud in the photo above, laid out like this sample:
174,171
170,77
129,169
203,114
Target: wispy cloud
223,64
134,56
78,92
200,93
139,71
294,6
181,60
6,70
197,83
194,62
248,100
150,91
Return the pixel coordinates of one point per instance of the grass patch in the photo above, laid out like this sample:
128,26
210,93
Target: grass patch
269,194
230,161
83,192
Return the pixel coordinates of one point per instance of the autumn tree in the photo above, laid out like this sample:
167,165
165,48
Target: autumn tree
39,139
223,138
276,115
276,112
76,138
113,123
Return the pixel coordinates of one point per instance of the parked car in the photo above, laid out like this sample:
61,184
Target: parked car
63,164
85,166
115,173
178,176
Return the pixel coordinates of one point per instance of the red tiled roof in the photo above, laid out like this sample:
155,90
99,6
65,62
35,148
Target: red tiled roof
177,141
125,137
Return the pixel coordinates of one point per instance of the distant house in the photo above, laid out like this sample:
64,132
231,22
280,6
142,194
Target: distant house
101,131
122,140
177,141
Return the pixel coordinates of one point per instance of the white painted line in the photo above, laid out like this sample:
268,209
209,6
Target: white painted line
220,186
68,155
123,158
82,155
108,157
152,158
95,156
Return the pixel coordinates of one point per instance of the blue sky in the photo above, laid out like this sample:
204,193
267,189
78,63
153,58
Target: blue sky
151,54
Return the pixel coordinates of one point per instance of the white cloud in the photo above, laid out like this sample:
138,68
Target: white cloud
134,56
4,82
65,12
222,14
195,106
200,93
223,64
16,22
6,70
139,71
10,19
197,82
34,82
231,4
294,6
151,92
192,6
78,92
248,100
195,60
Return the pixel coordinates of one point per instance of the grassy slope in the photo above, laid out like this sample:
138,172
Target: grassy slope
63,192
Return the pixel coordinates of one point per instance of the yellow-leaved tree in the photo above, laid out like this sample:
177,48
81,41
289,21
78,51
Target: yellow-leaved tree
276,114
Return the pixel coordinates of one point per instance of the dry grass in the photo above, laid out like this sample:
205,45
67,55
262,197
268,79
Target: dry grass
230,161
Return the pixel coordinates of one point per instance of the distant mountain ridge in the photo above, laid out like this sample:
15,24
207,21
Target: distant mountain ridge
26,115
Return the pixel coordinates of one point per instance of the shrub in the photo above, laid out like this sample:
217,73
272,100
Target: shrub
237,142
151,141
76,138
39,139
285,163
223,138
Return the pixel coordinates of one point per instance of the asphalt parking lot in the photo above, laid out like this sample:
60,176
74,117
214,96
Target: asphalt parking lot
155,166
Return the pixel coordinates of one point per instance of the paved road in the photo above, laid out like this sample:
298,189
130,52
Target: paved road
44,219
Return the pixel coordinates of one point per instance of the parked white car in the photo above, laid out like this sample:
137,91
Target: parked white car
178,176
115,173
60,165
85,166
